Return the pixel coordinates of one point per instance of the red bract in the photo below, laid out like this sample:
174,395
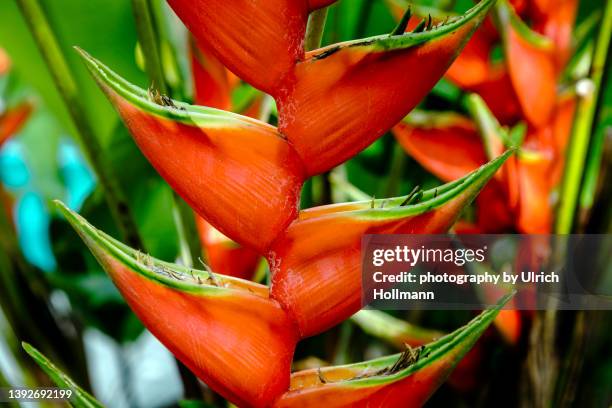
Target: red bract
238,173
325,247
335,101
214,84
264,57
219,327
347,95
405,380
209,156
244,177
474,66
443,143
224,255
222,328
474,69
531,64
211,80
557,24
525,83
522,191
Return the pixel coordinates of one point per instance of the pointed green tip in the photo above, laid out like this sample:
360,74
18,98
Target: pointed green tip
28,348
398,41
92,64
497,162
113,84
453,346
77,222
105,247
505,299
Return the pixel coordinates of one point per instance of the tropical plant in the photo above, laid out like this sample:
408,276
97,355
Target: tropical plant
240,240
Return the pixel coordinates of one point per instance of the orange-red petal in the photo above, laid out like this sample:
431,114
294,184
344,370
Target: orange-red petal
535,214
220,327
264,54
473,66
367,385
557,24
531,64
224,255
240,174
446,144
315,263
210,79
347,95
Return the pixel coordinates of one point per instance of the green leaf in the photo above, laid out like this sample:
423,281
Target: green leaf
80,398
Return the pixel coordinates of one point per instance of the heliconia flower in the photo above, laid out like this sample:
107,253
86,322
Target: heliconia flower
520,195
238,173
223,255
13,119
530,58
399,333
266,53
445,143
347,95
448,145
473,66
325,247
533,174
228,331
473,70
404,380
213,86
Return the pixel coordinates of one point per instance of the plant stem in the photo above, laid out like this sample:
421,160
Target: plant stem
65,83
315,29
587,108
184,220
396,170
148,39
314,36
